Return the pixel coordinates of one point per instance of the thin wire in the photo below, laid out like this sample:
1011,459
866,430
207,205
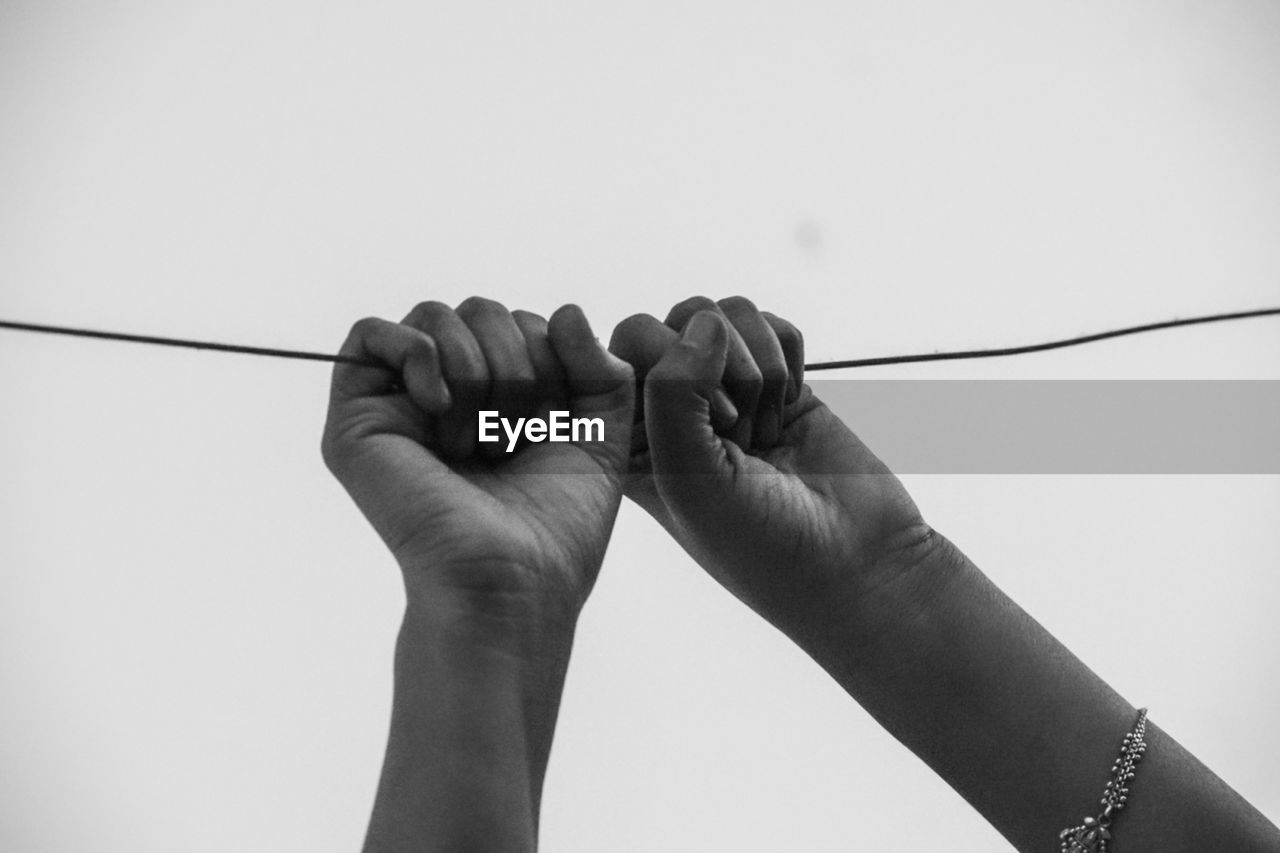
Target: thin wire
276,352
1065,342
189,344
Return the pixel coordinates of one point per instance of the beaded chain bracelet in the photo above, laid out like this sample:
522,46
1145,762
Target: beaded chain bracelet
1092,835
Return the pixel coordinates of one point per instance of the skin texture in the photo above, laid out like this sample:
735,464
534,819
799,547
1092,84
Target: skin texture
498,551
777,524
774,496
410,458
811,531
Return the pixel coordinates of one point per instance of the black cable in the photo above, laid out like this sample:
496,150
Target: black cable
1065,342
189,344
821,365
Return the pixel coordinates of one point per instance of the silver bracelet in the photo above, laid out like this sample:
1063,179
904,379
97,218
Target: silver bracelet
1092,835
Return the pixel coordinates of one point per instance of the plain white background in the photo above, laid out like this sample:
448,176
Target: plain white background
196,626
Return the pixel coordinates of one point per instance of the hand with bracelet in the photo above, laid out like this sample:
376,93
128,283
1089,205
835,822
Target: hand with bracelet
770,493
787,509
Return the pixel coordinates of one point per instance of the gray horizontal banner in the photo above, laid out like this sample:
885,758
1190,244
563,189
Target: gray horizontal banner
1063,427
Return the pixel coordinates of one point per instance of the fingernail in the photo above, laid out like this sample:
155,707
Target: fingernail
702,330
724,413
425,367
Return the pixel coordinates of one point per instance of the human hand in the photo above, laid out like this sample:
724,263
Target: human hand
758,480
510,531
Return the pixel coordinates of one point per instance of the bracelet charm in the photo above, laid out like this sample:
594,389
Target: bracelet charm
1092,835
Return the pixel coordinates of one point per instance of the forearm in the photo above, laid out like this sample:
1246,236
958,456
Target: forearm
1019,726
473,713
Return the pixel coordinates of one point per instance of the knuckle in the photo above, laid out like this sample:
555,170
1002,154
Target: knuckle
786,332
479,306
634,327
528,319
636,334
365,327
737,305
639,322
429,311
688,307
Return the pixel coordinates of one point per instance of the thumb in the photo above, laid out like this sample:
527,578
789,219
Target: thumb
598,384
689,460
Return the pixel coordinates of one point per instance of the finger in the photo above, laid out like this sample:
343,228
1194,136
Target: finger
411,362
377,430
641,340
550,382
769,359
412,371
688,458
742,379
793,349
512,381
465,370
598,385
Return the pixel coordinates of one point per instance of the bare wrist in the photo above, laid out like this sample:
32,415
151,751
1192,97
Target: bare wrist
528,628
477,690
886,602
